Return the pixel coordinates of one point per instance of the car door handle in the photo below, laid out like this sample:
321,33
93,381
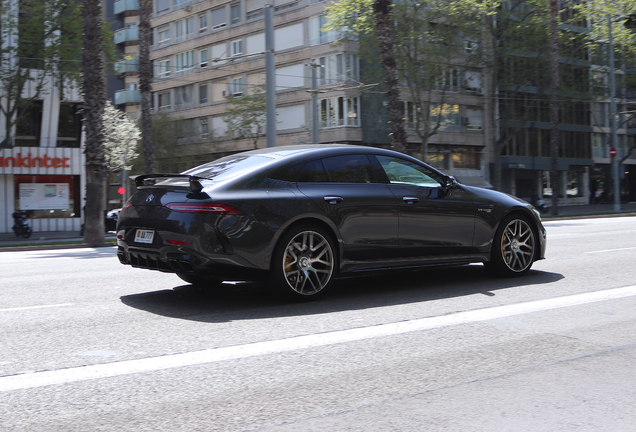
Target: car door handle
333,199
410,200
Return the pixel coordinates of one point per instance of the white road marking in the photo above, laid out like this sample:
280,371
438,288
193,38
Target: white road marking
35,307
611,250
83,373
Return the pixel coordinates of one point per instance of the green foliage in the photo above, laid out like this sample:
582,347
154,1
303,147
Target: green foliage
39,43
246,115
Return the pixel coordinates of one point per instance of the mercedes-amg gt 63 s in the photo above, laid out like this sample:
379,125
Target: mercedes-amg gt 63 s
297,217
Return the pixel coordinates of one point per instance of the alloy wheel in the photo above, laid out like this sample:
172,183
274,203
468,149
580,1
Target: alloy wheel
517,245
308,263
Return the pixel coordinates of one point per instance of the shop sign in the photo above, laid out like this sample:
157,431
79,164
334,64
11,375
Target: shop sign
29,161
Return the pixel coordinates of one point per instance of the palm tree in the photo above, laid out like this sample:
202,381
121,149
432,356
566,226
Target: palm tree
383,24
94,100
145,80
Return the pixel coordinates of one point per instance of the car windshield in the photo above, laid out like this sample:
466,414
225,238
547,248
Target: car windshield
229,166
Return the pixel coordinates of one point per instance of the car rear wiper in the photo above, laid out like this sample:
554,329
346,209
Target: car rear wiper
151,179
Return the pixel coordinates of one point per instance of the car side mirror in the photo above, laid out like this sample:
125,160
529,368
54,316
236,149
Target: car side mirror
451,183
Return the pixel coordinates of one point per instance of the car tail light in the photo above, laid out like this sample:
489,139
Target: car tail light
203,208
178,242
126,205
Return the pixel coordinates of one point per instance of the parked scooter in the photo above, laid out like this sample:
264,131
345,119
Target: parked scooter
541,206
21,225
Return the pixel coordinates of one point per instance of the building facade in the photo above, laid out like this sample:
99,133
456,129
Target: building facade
41,158
208,53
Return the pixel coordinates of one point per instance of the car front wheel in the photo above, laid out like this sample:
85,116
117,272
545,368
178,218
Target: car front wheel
513,247
304,263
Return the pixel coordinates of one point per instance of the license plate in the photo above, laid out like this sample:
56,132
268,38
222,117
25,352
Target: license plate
144,236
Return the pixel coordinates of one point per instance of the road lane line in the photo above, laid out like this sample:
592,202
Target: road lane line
611,250
35,307
83,373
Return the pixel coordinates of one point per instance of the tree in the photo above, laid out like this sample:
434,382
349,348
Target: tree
555,90
247,114
120,139
355,18
145,80
39,44
429,56
384,28
94,100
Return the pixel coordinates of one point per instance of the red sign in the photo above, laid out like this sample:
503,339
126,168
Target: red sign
32,162
121,191
613,152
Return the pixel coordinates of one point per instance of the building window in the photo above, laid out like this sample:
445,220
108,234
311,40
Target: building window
236,86
448,116
163,70
179,31
340,111
163,100
203,23
219,18
316,34
183,95
203,128
29,123
254,9
451,80
184,62
237,48
203,93
69,127
163,5
338,68
203,59
465,157
163,36
235,13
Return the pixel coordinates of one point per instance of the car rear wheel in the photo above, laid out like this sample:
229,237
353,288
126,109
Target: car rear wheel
513,247
304,263
202,281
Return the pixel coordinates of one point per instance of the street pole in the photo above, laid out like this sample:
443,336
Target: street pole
315,139
616,182
270,77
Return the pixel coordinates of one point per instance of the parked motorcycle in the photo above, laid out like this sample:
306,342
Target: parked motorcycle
21,225
541,206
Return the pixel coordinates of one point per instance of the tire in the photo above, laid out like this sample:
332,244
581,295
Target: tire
303,263
513,247
26,232
202,281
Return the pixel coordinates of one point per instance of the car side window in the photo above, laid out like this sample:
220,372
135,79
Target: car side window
349,169
401,171
313,172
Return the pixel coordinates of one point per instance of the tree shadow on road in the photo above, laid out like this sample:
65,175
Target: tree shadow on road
242,301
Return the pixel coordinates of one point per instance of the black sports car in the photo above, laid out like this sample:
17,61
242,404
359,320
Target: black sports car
299,216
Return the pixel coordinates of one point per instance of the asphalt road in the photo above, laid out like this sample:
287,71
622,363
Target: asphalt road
91,345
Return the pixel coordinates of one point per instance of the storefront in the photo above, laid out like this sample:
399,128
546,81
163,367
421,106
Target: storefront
45,182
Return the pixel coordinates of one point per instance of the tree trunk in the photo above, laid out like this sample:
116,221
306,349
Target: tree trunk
554,104
145,80
94,99
382,12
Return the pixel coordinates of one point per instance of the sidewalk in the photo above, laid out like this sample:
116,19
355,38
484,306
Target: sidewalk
46,239
69,239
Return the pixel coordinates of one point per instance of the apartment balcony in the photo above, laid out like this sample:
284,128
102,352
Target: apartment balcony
127,36
127,67
124,97
127,7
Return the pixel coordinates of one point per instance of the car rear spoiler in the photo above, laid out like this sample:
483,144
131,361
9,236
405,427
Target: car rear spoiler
150,180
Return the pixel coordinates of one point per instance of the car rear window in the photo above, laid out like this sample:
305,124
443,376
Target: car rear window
229,166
